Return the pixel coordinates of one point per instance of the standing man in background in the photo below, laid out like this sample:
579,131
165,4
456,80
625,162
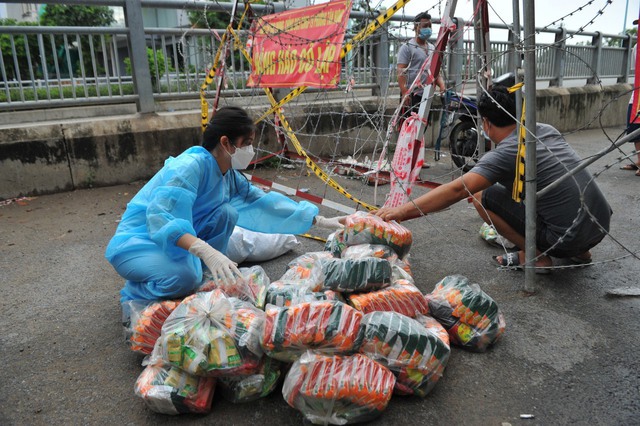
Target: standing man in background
411,56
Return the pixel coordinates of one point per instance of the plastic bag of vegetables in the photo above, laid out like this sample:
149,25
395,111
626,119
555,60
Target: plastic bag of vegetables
254,386
326,326
471,317
169,390
210,334
415,355
356,275
402,297
338,389
287,293
143,322
252,287
366,228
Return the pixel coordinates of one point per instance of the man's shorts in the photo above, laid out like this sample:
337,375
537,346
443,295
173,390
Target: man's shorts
497,199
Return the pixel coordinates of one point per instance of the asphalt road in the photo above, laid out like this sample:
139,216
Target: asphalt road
568,355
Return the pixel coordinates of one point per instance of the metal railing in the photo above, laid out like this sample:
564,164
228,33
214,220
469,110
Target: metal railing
67,66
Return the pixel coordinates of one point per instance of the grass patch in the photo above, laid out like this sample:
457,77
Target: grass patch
67,92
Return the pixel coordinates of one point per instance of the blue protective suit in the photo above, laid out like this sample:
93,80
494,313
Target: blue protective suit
191,195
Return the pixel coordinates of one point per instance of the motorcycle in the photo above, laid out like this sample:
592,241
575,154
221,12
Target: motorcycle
459,116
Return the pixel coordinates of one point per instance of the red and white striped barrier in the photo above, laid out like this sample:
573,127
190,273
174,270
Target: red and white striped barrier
298,193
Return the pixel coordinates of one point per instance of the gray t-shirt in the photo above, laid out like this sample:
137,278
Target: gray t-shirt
559,208
413,55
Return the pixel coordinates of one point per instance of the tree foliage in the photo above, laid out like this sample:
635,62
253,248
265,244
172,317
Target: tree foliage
617,42
77,16
20,43
212,20
157,65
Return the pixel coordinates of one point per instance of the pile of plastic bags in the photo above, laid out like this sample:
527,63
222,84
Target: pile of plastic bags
345,329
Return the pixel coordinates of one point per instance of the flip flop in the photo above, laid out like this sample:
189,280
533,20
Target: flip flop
512,260
629,167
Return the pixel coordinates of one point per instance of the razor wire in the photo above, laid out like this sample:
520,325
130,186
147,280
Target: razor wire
308,128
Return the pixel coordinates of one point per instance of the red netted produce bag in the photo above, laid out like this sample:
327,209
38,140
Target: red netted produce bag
143,322
168,390
471,317
366,228
338,389
402,297
210,334
415,355
252,287
326,326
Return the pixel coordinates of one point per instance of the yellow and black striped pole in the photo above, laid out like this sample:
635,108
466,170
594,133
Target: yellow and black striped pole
518,182
211,75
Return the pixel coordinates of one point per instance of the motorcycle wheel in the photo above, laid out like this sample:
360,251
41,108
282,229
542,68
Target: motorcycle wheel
463,145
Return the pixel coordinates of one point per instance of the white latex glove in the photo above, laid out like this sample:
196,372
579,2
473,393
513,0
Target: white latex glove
222,268
329,222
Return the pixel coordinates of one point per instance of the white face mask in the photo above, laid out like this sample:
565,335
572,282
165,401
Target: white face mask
242,157
483,133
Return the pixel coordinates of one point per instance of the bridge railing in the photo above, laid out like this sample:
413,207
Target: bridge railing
74,66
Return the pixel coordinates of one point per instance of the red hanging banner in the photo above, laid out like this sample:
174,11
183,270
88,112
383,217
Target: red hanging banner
299,47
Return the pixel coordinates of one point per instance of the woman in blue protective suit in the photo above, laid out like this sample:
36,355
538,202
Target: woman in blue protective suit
185,214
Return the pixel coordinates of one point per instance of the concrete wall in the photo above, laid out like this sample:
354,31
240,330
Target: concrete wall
574,108
49,158
62,156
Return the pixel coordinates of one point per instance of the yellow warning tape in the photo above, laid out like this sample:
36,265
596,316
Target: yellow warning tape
518,182
313,237
310,163
300,150
378,22
204,106
211,75
276,105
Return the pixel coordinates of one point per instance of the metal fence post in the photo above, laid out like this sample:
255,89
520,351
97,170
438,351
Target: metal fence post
381,63
139,60
512,52
626,58
559,58
596,41
531,165
456,48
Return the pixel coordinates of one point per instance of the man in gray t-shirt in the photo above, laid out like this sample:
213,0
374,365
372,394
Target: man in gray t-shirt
571,219
411,56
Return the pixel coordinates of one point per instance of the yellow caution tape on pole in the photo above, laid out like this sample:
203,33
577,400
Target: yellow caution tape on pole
211,75
518,182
